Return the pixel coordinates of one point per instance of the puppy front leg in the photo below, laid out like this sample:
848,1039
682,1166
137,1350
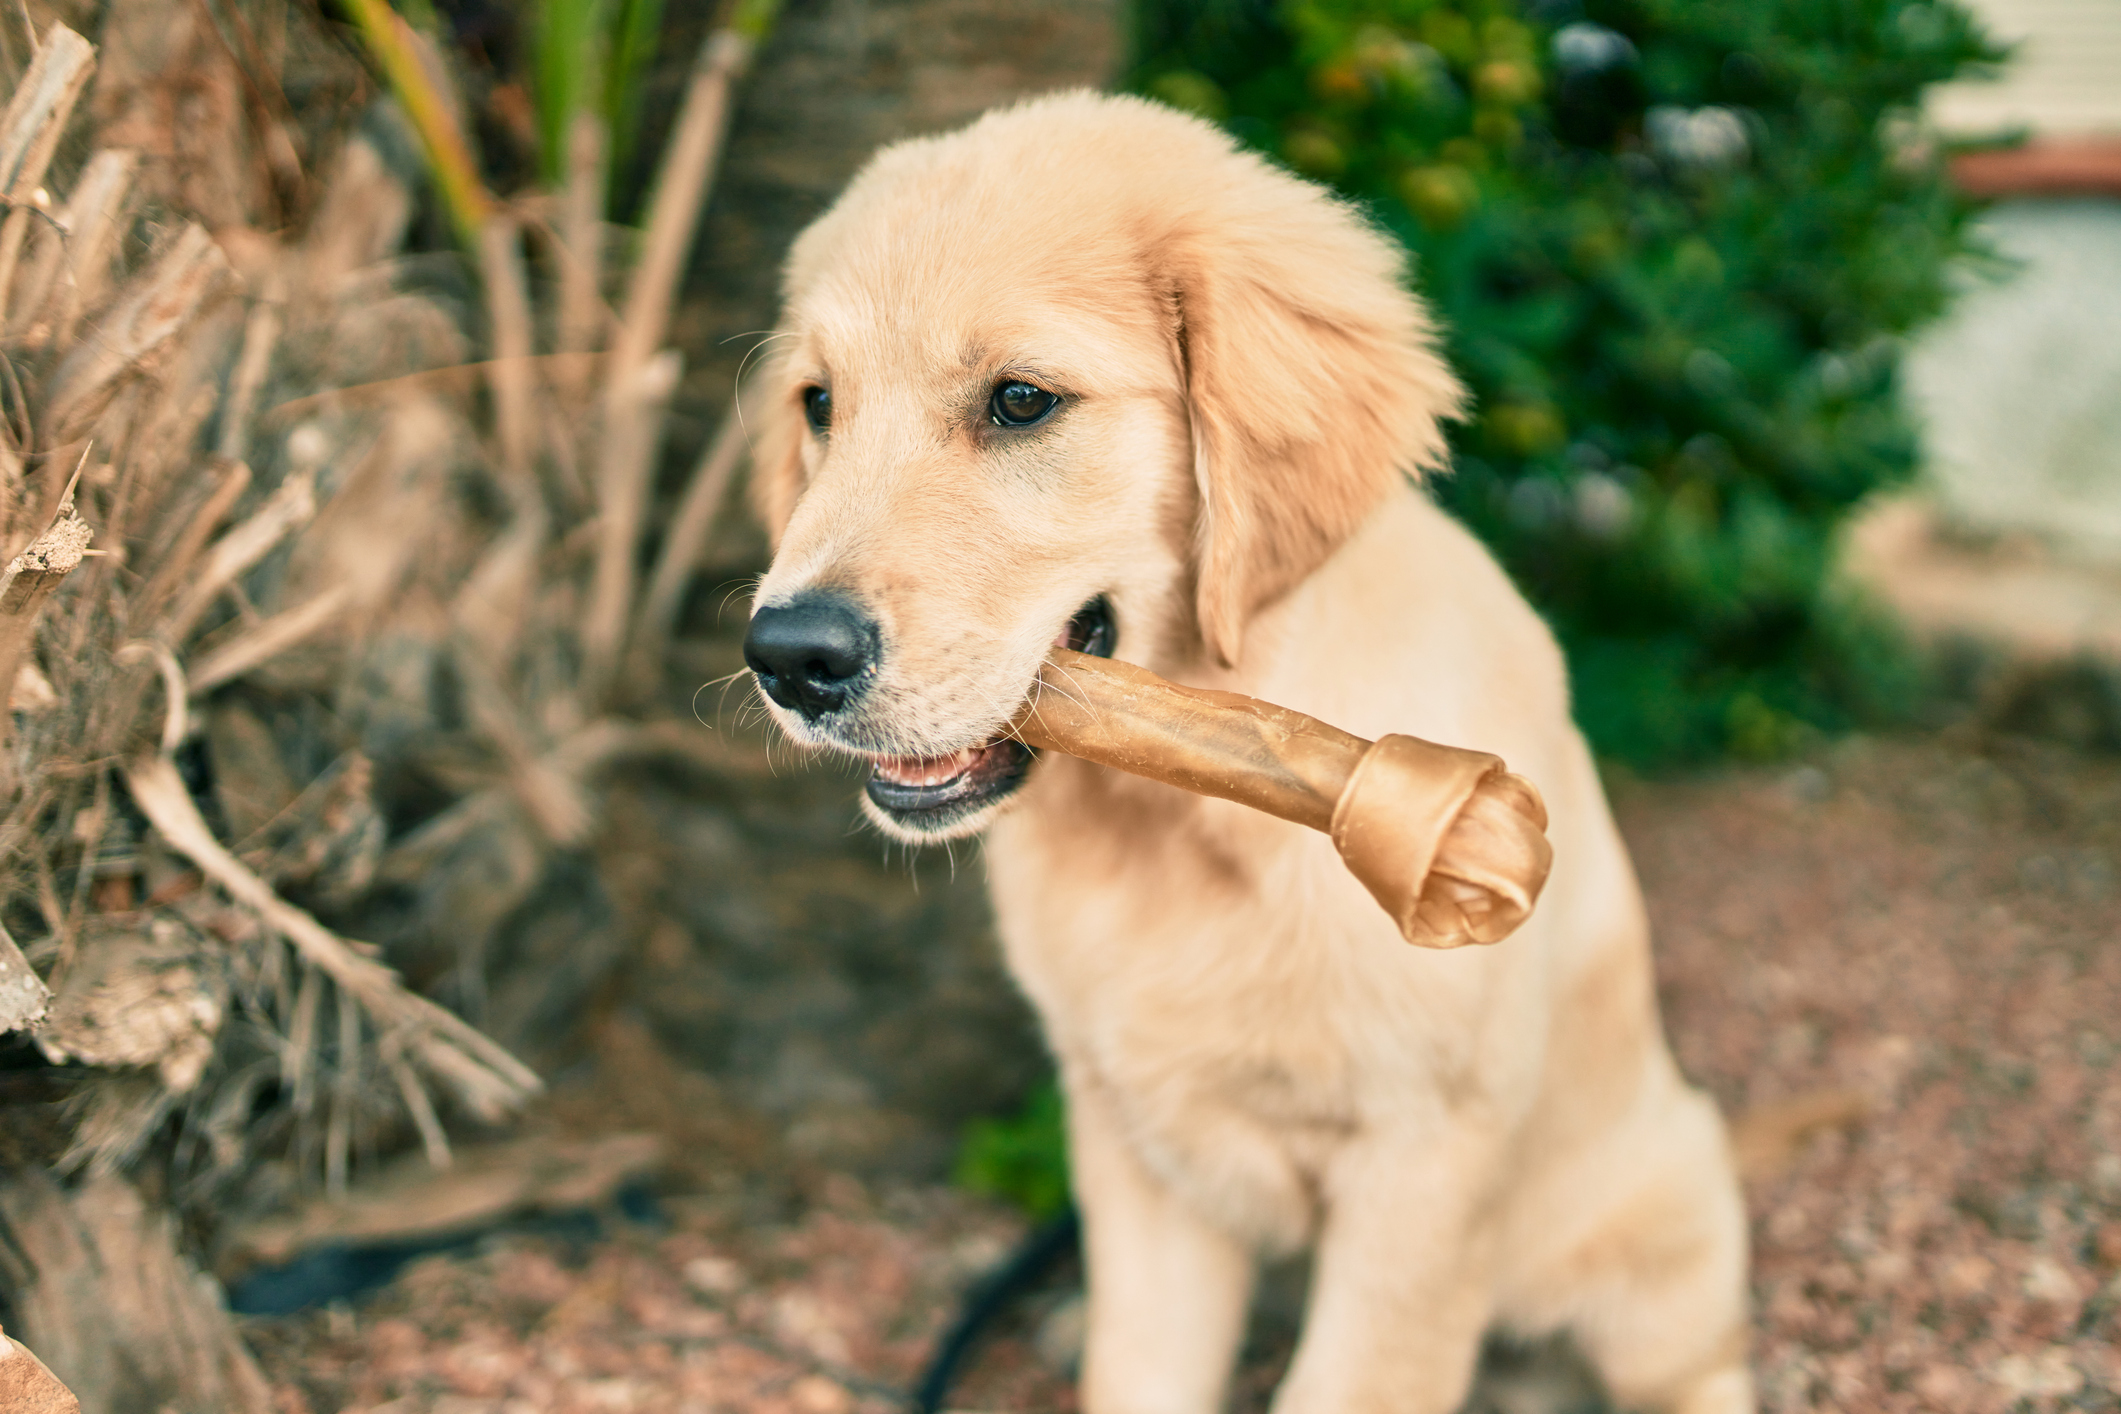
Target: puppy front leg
1167,1291
1399,1298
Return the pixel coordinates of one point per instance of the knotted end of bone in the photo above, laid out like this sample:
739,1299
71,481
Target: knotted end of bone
27,1387
1448,841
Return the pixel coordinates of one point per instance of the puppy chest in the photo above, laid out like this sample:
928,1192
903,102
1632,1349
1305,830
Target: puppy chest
1247,1141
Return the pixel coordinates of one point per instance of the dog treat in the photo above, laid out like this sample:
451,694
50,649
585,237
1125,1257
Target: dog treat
27,1386
1450,842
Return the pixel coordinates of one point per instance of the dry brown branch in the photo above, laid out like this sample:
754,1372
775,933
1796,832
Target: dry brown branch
338,1131
37,278
491,613
690,530
268,103
259,60
422,1109
551,795
29,134
298,1058
330,603
633,425
32,575
53,505
682,184
459,377
23,996
408,1201
176,697
582,314
635,390
510,370
578,759
489,1081
286,510
140,996
264,641
167,86
102,1292
161,304
261,331
360,220
234,480
94,221
25,585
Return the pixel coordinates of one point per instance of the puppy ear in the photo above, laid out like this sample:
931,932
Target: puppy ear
1312,380
773,410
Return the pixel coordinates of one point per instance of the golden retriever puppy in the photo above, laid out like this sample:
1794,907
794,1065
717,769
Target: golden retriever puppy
1084,373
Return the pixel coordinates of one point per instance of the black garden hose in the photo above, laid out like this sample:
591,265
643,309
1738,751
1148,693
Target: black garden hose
989,1297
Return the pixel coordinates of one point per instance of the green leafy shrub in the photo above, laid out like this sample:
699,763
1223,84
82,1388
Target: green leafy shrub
1675,244
1022,1158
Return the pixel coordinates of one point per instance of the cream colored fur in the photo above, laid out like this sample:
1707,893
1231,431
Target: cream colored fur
1254,1062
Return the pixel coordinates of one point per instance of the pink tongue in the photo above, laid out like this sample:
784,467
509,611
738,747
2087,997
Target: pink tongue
927,770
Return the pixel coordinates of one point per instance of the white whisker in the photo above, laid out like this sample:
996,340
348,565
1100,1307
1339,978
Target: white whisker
731,588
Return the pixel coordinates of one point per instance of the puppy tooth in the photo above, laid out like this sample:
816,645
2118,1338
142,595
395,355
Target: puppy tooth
926,770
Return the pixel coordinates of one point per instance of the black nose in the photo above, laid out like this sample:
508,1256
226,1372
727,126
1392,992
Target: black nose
812,653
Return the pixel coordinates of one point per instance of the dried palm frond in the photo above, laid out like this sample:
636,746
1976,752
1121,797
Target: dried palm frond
106,444
274,568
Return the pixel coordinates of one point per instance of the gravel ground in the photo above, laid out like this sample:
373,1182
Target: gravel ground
1911,943
830,1314
1937,928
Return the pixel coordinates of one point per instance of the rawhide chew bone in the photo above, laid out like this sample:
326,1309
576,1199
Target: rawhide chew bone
1450,842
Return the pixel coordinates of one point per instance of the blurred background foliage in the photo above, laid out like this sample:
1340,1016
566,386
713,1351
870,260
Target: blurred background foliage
1675,245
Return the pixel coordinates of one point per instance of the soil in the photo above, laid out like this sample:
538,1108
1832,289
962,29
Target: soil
1897,957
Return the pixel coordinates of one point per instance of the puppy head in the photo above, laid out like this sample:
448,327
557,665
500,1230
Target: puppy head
1082,373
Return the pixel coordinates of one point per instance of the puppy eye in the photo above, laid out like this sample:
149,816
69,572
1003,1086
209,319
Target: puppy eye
817,408
1016,404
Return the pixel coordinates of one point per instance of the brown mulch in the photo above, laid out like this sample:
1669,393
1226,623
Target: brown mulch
829,1314
1902,958
1937,928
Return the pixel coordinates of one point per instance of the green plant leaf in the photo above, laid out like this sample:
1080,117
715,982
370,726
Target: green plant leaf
570,49
1022,1158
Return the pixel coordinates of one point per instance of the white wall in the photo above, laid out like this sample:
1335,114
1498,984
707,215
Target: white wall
2019,389
2064,78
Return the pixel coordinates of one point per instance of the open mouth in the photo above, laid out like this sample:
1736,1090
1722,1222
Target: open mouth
929,794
